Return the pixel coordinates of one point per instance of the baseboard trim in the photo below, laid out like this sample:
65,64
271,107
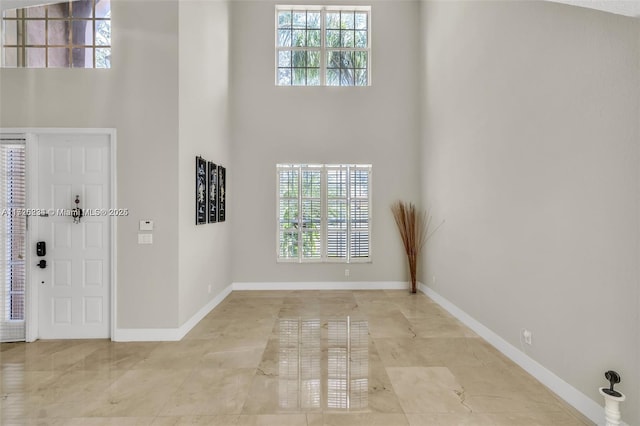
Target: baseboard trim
588,407
328,285
169,334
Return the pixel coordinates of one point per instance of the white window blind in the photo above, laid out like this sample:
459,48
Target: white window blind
12,238
324,213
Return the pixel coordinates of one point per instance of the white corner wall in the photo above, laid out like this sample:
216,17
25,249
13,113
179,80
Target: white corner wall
530,154
139,97
377,125
204,250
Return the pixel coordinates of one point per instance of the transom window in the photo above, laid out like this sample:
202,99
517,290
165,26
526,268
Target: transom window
70,34
324,213
323,46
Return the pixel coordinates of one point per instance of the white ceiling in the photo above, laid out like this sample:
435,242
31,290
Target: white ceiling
619,7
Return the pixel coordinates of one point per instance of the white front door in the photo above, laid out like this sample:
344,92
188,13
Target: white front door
74,287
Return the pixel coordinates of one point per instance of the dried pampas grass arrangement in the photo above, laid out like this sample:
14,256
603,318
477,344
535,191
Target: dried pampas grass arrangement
413,226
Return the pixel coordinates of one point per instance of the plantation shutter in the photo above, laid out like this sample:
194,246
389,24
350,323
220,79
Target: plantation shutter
311,209
12,238
288,209
324,212
337,213
359,211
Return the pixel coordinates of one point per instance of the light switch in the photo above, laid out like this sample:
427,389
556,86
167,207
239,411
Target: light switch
146,225
145,238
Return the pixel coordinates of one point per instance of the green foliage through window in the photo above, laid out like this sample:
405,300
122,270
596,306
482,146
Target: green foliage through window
322,47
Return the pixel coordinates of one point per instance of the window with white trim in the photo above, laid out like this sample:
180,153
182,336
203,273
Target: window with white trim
323,45
68,34
324,212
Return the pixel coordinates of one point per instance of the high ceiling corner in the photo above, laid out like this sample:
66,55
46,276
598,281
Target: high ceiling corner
618,7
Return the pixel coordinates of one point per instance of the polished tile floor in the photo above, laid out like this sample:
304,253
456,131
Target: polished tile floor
288,358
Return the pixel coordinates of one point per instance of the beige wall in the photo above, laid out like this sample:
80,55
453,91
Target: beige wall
376,125
139,97
204,130
530,154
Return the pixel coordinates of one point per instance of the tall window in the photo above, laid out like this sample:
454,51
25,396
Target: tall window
70,34
323,46
324,212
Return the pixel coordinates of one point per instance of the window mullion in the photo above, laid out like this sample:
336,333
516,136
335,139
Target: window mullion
23,38
323,53
93,23
46,37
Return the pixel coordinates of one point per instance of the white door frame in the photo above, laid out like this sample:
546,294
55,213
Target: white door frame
32,134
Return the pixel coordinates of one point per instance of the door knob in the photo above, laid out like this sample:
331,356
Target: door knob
42,264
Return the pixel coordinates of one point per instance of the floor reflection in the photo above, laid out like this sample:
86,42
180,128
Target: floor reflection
307,380
12,392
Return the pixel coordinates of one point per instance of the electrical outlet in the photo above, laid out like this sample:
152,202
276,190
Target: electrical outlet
433,279
347,272
209,288
527,335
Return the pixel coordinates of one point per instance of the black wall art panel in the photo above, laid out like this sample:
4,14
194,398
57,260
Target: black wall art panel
201,191
222,193
211,188
212,199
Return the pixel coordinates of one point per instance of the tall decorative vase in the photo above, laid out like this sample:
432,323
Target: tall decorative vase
413,226
413,269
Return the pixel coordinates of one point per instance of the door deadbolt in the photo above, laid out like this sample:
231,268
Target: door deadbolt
42,264
41,248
